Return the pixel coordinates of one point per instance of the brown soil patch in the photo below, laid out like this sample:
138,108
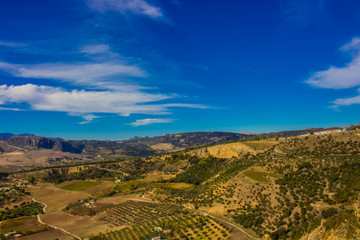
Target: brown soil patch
78,225
55,198
48,235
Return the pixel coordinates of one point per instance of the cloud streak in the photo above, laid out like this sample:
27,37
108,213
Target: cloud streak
81,74
301,12
148,121
346,101
344,77
12,44
137,7
84,103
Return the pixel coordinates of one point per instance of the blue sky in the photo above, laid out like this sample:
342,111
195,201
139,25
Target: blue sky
112,69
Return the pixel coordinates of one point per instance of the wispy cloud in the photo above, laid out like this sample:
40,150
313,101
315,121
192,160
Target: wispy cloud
301,12
147,121
10,109
88,118
96,49
347,76
82,74
138,7
103,69
85,103
346,101
12,44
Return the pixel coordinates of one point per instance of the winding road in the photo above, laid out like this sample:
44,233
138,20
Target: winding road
52,226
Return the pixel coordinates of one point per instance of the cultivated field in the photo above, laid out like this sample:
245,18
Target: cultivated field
175,227
134,212
22,225
48,235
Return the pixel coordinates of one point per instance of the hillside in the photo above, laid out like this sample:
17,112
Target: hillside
24,151
278,188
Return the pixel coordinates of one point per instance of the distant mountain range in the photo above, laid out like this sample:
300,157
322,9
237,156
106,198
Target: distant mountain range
9,135
22,149
138,146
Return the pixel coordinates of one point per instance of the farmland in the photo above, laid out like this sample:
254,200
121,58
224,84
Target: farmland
55,198
22,225
175,227
133,212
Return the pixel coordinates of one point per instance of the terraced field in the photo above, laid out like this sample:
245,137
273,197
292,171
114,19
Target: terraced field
133,212
175,227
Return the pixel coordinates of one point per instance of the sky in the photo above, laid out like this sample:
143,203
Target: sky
113,69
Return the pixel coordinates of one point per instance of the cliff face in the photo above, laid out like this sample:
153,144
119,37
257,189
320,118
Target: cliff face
42,142
53,171
236,149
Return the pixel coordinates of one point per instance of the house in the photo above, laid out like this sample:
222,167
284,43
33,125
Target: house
167,231
156,238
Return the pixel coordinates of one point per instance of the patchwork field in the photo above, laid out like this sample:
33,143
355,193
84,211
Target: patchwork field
22,225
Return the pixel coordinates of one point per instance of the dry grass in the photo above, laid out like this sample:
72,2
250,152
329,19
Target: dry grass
78,225
55,198
22,225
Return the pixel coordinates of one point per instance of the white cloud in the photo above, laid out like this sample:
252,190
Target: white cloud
340,77
10,109
84,103
88,118
82,74
139,7
346,101
147,121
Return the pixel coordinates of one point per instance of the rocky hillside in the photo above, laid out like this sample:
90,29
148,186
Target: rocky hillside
47,143
171,142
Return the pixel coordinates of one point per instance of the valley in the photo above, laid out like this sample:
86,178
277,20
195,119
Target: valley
270,187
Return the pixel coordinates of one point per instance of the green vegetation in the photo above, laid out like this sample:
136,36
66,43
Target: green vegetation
22,225
201,170
176,186
175,227
257,176
24,210
132,212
